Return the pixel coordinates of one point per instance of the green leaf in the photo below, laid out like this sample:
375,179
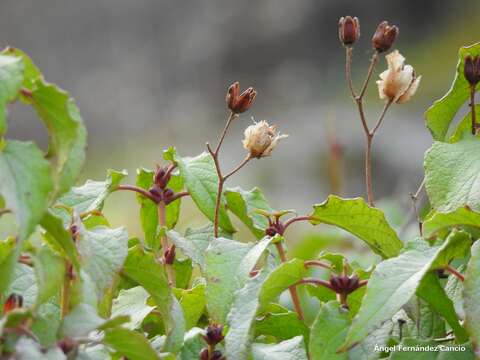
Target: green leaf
443,111
433,293
27,348
142,268
282,325
280,279
244,203
24,283
193,344
227,267
366,349
454,290
201,181
50,273
60,238
133,303
47,322
195,242
92,194
222,259
30,73
452,174
464,127
130,344
471,294
25,183
361,220
11,78
241,318
68,136
438,221
396,280
329,331
82,320
103,252
8,259
193,303
293,349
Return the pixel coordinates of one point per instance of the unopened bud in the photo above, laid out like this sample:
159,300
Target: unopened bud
260,139
161,177
204,354
344,284
217,355
348,30
239,103
169,255
471,69
214,334
14,301
384,36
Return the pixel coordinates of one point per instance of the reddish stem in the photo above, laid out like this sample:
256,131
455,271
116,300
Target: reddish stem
317,282
310,263
295,219
138,190
455,273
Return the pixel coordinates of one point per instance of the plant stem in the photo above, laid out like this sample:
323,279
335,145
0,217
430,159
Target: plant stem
318,263
472,106
138,190
164,240
315,282
295,219
292,289
231,117
65,296
368,169
455,273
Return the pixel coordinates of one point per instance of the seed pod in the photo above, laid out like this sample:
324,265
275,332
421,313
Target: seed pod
348,30
471,69
239,103
384,36
260,139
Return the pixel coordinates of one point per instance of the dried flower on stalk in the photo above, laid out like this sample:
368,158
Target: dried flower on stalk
384,36
348,30
399,82
471,69
261,138
239,103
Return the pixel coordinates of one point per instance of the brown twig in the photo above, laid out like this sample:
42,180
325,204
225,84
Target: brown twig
138,190
292,289
369,134
310,263
162,220
455,273
222,178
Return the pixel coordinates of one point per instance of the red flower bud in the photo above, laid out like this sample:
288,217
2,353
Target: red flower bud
384,36
348,30
214,334
471,69
217,355
169,255
14,301
239,103
204,354
344,284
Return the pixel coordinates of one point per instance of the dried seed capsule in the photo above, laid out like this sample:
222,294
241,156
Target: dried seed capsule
471,69
239,103
348,30
384,36
260,139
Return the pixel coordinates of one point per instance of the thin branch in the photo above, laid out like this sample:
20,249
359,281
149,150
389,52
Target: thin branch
231,117
292,289
373,63
162,220
311,263
178,196
348,70
295,219
380,118
317,282
242,164
455,273
472,106
138,190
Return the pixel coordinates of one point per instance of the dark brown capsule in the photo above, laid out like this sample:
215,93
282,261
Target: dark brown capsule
471,70
348,30
239,103
384,36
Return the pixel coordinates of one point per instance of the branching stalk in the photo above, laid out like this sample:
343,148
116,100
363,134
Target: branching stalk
138,190
455,273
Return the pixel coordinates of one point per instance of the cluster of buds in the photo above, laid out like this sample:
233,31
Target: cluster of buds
260,139
471,69
399,82
14,301
213,336
239,103
382,40
159,189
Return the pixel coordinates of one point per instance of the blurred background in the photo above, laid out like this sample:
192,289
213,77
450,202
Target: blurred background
148,74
